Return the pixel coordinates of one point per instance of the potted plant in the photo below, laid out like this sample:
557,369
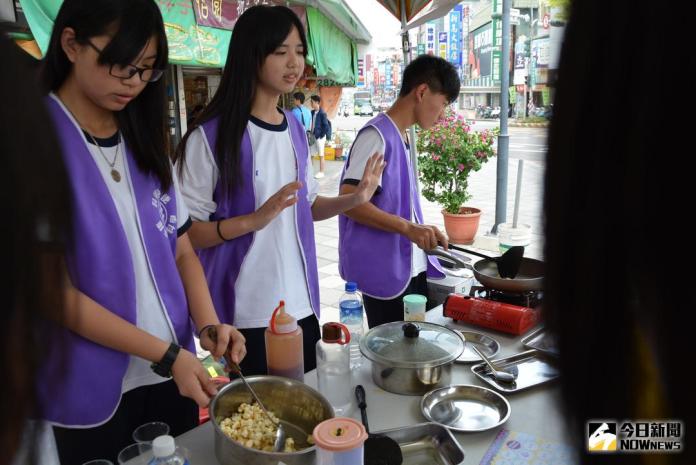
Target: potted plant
344,141
448,153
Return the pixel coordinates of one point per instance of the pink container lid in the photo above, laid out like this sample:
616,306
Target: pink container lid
339,434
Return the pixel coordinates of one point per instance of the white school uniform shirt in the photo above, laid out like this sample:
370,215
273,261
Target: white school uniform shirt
273,269
366,144
150,311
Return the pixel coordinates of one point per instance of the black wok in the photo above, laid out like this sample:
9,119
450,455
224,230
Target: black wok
529,278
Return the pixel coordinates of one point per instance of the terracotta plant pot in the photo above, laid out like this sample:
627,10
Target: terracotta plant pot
461,228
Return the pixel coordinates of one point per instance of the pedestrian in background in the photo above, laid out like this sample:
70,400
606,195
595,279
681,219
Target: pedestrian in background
301,112
321,130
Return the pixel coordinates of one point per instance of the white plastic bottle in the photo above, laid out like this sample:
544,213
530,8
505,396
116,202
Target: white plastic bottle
333,368
165,452
351,315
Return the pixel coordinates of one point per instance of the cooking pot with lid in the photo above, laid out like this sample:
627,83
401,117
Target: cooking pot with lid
409,358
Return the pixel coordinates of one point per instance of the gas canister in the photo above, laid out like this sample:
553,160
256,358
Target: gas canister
500,316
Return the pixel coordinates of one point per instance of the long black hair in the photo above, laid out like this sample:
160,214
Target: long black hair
143,121
258,32
618,306
36,208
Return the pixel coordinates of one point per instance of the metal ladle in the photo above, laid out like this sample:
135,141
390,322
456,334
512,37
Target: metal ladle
504,376
279,443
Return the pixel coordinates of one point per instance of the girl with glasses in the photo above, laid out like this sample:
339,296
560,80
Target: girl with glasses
136,290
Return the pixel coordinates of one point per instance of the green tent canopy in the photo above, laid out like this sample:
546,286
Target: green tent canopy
189,43
331,52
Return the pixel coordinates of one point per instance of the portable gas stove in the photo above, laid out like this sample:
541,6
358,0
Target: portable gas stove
509,312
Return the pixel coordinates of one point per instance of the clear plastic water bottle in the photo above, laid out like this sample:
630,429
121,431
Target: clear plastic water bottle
333,367
351,315
165,452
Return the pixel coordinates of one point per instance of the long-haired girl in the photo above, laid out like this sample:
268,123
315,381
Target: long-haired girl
246,176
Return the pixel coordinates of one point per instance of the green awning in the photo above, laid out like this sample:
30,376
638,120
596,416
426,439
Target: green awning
331,52
189,44
340,14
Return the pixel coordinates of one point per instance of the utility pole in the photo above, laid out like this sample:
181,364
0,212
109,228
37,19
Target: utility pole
503,138
529,84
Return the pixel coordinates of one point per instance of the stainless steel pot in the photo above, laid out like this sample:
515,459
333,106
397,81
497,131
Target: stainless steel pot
298,406
409,358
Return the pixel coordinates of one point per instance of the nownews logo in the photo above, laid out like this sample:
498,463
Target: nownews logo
634,436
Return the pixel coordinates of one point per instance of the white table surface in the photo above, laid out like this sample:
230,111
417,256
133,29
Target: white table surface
535,411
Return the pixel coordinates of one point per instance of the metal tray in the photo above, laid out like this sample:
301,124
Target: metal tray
483,342
426,444
534,367
541,340
465,408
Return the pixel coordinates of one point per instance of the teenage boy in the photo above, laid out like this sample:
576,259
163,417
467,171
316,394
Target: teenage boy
320,129
382,243
300,111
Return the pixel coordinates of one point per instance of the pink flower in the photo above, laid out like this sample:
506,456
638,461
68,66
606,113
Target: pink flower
438,142
480,154
460,167
436,157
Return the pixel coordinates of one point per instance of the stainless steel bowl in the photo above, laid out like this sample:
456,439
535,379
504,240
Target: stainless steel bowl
298,406
465,408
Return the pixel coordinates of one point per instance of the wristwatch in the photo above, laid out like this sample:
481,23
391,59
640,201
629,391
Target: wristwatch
164,366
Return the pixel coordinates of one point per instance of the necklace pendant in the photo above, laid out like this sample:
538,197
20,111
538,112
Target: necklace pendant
115,175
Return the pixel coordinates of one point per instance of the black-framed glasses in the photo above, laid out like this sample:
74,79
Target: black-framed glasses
128,71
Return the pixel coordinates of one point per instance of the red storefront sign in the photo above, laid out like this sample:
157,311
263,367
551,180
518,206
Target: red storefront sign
221,14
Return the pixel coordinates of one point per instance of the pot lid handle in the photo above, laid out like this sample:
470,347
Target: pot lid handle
411,330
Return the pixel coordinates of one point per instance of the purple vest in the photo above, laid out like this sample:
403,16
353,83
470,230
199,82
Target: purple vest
223,263
87,389
379,261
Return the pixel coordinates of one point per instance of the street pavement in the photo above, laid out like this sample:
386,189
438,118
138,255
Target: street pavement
528,144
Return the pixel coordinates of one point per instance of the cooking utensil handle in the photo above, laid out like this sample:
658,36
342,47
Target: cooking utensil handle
212,333
484,358
462,249
440,252
362,405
